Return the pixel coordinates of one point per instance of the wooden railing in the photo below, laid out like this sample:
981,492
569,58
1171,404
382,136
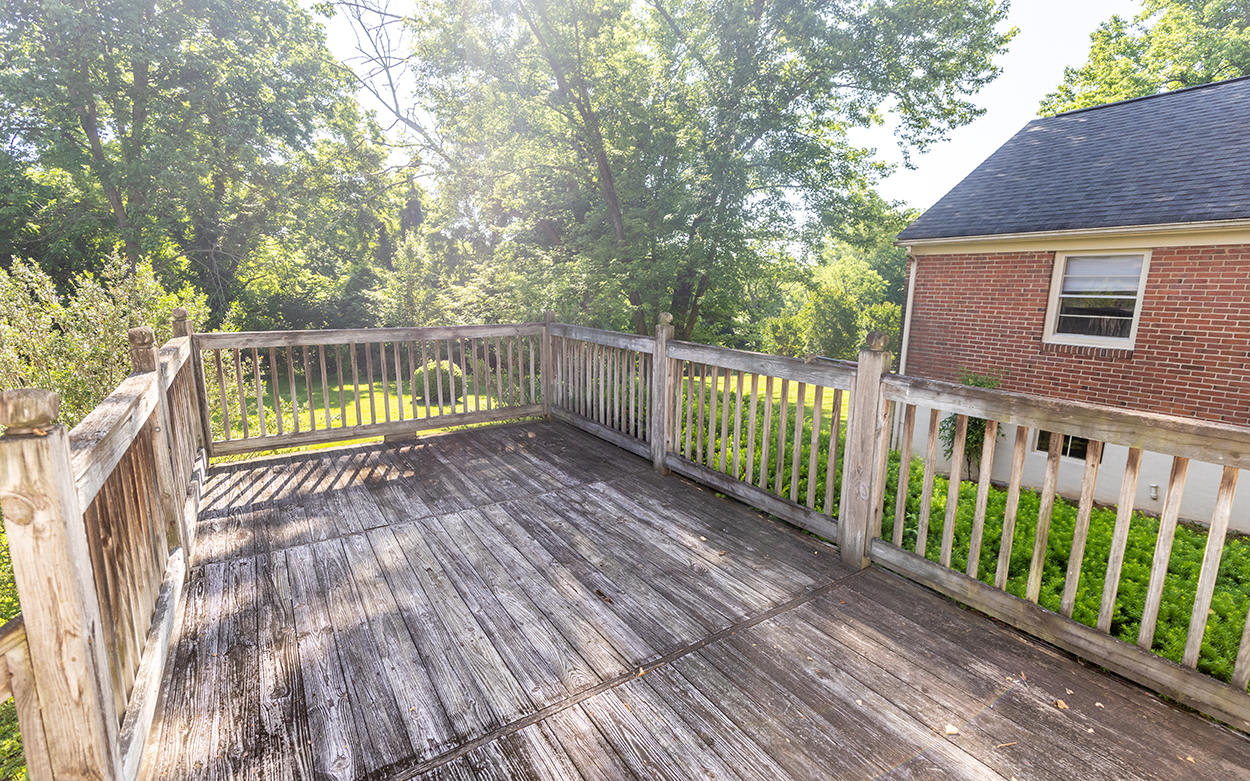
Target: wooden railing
601,381
97,518
1012,591
269,390
96,522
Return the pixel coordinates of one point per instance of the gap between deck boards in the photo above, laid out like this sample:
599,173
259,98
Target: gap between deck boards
576,698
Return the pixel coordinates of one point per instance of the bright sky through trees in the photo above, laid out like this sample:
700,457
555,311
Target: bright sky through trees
1053,33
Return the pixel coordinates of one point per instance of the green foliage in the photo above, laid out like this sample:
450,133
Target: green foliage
1171,44
651,157
834,317
1232,594
448,374
974,441
183,133
76,345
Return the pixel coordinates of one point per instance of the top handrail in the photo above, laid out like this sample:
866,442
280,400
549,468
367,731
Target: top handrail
248,339
1208,441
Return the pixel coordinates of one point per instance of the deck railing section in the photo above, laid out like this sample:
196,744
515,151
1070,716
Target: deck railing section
763,428
994,561
269,390
95,520
602,381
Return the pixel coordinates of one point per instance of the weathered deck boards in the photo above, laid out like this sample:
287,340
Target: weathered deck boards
530,602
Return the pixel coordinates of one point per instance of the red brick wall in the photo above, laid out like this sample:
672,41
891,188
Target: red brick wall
986,313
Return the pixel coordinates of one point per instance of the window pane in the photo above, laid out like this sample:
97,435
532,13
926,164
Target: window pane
1075,447
1107,327
1098,296
1102,307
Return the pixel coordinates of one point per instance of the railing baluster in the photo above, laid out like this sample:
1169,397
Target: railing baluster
813,447
799,415
952,488
1241,669
698,431
767,433
356,383
499,374
1210,566
338,369
1041,533
325,387
425,375
238,382
221,392
384,373
750,473
926,488
1072,580
1012,507
373,403
835,437
259,390
533,381
308,387
1163,552
904,474
477,388
290,371
399,380
778,480
438,374
983,496
738,427
720,392
277,389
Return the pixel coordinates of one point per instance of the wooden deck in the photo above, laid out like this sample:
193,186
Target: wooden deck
528,602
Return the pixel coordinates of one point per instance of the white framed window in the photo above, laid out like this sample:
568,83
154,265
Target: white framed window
1071,447
1096,298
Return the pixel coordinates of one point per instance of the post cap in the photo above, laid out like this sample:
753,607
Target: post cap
877,341
179,313
22,410
666,318
143,336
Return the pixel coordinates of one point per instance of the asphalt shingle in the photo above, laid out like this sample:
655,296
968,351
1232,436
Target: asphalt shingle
1177,157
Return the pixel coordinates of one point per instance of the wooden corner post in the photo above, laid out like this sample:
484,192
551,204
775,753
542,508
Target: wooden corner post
548,367
660,392
56,585
183,328
145,358
863,436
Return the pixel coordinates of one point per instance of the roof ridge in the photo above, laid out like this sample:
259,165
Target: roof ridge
1140,98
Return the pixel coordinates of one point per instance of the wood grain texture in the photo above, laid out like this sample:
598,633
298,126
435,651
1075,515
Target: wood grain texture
528,601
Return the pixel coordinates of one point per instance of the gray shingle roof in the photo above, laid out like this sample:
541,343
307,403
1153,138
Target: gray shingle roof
1177,157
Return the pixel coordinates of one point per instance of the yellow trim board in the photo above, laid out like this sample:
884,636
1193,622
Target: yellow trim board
1133,237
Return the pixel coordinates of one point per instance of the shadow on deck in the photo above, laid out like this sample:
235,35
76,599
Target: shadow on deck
528,601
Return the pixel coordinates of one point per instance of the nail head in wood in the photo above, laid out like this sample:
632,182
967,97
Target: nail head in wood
23,410
877,341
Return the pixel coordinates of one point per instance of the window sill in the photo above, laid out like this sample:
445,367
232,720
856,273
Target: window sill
1105,353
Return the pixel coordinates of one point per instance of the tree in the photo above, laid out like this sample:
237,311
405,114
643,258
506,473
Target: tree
1171,44
171,123
660,152
76,344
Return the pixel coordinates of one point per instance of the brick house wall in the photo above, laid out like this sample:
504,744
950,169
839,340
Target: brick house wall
986,313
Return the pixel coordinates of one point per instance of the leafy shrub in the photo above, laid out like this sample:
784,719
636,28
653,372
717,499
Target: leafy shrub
451,378
974,442
1232,592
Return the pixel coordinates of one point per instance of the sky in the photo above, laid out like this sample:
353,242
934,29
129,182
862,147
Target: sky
1053,34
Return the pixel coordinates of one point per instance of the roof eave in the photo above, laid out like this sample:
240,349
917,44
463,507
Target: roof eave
1161,229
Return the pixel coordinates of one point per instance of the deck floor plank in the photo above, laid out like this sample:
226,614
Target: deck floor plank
334,741
528,602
